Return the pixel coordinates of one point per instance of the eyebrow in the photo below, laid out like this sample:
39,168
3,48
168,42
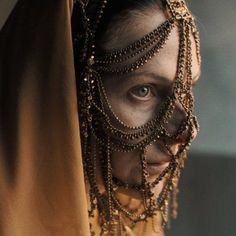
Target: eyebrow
149,74
162,78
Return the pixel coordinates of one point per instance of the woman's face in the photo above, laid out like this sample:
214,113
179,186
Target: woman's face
136,97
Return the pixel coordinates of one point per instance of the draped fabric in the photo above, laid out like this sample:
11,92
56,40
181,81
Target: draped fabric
42,189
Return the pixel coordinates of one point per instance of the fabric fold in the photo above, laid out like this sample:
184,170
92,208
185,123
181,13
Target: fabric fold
42,188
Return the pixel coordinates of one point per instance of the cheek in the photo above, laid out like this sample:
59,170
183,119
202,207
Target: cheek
126,167
130,113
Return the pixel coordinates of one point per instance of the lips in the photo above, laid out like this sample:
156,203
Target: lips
158,162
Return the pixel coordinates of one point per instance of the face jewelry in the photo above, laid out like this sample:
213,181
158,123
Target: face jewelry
99,122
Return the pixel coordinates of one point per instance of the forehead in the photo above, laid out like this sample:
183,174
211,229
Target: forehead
140,23
131,26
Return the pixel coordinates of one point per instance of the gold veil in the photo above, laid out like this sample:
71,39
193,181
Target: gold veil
42,189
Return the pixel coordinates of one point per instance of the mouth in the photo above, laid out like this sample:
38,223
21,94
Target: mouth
157,168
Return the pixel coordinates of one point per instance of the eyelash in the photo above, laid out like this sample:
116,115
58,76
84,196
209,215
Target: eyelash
159,94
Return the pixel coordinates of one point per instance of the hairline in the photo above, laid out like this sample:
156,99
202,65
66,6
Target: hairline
121,23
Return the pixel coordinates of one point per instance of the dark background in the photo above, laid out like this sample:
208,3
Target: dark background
207,196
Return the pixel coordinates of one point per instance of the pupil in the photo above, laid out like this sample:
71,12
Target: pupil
143,91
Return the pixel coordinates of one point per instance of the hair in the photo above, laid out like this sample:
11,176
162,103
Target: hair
118,16
115,20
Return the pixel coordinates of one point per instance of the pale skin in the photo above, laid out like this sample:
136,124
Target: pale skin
136,97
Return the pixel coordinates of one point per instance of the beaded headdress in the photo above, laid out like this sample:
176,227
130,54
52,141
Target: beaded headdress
97,116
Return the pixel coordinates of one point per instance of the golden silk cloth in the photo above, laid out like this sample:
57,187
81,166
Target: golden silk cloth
42,190
42,187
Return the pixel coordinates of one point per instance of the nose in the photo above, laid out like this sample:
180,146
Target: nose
182,127
161,151
177,118
189,132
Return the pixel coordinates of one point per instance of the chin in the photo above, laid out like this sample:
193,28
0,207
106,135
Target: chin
134,178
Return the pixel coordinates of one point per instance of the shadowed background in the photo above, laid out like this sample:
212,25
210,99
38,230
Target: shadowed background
208,184
207,192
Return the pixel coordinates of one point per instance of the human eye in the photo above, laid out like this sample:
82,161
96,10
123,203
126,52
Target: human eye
144,92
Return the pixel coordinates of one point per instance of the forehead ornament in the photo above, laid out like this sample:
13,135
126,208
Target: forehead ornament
179,9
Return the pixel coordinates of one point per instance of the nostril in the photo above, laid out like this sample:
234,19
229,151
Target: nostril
188,134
